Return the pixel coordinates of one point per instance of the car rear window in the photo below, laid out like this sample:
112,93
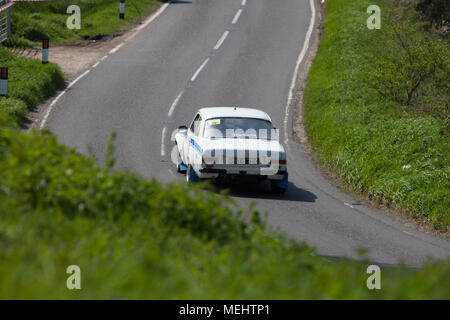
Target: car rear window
238,128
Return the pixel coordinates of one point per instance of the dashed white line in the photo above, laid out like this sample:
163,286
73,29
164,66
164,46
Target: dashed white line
96,64
236,17
221,40
174,104
163,138
199,70
104,57
244,2
47,113
297,67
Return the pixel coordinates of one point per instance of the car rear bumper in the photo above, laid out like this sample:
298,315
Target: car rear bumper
216,172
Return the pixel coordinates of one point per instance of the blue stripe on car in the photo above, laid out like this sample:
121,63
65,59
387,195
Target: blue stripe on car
196,146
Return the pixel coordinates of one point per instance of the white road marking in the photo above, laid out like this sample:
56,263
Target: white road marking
221,40
155,15
114,50
236,17
348,205
199,70
47,113
163,138
174,104
146,23
77,79
244,2
297,67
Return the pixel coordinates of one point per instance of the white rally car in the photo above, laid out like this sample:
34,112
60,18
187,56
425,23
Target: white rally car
230,143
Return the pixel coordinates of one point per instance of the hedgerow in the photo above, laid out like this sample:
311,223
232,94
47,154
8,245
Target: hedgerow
135,238
365,123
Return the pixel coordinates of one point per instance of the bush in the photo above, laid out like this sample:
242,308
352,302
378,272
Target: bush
138,239
35,21
435,11
413,67
29,84
358,118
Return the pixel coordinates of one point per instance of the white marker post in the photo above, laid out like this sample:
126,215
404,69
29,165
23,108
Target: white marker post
122,9
4,81
45,45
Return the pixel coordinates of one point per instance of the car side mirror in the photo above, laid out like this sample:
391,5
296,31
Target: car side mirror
182,128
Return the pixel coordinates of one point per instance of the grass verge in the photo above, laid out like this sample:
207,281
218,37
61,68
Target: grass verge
381,148
138,239
30,83
33,21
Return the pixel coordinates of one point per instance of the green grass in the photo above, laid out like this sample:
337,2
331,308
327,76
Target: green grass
396,157
138,239
30,83
33,21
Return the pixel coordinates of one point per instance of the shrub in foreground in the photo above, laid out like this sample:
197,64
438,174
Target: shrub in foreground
134,238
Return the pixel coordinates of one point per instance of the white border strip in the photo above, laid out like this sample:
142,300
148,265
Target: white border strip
301,56
155,15
47,113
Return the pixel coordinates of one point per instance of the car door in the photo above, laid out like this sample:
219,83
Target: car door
196,143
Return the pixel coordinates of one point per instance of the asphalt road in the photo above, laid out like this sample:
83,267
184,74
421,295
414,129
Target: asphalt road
224,53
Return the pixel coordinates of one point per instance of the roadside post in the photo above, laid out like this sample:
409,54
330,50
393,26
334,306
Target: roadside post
122,9
45,45
4,82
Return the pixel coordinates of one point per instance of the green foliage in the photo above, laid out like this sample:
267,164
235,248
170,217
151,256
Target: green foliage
435,11
379,147
413,67
134,238
15,41
31,22
30,83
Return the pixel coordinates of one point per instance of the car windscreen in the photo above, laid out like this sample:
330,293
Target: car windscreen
239,128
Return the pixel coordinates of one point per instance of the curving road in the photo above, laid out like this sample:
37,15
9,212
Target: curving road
225,52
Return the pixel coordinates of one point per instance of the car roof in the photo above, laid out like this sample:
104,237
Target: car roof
233,112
